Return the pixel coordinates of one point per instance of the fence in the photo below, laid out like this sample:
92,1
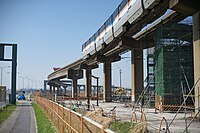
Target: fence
2,96
66,120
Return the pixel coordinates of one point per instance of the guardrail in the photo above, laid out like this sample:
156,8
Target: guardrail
66,120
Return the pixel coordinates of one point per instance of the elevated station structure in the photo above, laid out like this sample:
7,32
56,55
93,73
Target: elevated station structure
130,36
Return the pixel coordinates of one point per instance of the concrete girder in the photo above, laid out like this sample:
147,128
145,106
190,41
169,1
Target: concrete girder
102,58
188,7
86,66
74,74
130,43
62,72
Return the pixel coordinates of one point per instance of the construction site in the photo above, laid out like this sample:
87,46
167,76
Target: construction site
161,87
166,104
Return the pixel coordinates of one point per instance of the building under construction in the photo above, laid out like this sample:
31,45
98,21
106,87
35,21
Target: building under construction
170,65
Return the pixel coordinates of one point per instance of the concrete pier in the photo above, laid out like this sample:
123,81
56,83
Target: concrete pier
107,84
137,73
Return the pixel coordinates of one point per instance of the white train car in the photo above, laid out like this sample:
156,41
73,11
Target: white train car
149,4
100,40
109,37
128,11
136,11
88,48
120,18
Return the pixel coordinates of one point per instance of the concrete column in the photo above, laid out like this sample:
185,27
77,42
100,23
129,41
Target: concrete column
65,91
107,85
137,73
74,88
58,89
79,91
45,85
84,90
54,89
50,89
88,86
196,52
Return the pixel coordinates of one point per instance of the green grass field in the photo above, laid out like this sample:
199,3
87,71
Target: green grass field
43,123
121,127
6,112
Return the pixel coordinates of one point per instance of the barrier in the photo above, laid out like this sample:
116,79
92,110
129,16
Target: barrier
66,120
141,126
167,128
3,101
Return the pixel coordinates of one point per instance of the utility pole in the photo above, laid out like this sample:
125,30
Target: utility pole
120,78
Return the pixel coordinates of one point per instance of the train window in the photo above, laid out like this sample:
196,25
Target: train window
102,28
115,14
122,5
96,34
109,21
83,46
92,39
88,41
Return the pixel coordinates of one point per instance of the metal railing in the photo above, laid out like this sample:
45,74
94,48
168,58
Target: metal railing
66,120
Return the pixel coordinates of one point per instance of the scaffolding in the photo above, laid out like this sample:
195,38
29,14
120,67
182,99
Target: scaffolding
172,65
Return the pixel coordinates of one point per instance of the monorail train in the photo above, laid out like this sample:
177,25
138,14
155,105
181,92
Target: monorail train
128,11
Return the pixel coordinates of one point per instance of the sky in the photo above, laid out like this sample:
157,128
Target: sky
50,33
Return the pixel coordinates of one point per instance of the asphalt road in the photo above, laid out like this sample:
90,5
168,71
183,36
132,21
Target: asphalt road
22,120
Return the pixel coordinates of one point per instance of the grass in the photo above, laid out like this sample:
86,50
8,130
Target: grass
6,112
121,127
31,96
43,123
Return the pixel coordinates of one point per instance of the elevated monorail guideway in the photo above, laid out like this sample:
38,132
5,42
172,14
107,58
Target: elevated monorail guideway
67,70
115,35
129,17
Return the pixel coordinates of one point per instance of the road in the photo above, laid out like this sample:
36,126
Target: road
22,120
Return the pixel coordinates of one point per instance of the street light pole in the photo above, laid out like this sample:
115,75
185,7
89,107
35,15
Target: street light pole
120,78
2,74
